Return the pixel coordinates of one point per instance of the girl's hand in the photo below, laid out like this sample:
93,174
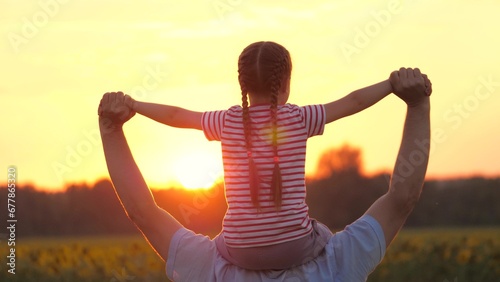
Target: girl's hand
130,102
410,85
428,85
113,108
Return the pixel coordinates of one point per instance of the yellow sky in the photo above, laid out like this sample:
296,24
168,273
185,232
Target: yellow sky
59,57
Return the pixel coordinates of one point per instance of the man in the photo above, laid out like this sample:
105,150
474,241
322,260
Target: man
350,255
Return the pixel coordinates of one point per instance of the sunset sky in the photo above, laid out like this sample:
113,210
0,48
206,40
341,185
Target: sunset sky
58,58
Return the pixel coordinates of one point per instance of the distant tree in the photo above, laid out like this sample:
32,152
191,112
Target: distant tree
339,193
345,161
458,202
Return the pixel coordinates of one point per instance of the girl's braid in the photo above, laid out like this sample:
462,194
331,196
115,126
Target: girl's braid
276,82
252,172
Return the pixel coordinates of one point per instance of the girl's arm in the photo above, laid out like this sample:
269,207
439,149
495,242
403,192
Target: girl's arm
168,115
357,101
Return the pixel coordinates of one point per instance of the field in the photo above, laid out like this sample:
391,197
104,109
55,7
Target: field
454,255
451,255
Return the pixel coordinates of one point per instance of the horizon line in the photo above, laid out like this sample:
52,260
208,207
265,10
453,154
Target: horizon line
67,185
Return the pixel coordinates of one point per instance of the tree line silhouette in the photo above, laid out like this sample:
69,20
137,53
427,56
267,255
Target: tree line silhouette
338,195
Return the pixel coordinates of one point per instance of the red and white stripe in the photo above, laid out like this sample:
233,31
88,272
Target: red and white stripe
244,225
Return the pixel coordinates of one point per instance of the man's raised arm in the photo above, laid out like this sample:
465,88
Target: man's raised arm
392,209
157,225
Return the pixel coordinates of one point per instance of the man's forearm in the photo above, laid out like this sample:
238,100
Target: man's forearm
129,184
411,164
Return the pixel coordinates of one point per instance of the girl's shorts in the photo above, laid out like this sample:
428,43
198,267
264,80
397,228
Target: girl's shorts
280,256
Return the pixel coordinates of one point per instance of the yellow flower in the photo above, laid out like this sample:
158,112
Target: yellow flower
447,254
463,256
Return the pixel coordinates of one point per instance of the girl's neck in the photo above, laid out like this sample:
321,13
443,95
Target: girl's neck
258,105
256,100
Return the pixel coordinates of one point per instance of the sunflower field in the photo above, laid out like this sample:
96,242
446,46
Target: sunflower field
441,255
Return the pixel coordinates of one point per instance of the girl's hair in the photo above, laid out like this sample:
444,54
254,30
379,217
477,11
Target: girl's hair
264,69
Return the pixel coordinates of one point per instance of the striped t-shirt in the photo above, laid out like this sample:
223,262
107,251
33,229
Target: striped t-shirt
244,226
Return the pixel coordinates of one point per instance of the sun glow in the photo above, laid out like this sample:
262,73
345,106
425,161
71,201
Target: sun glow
198,170
190,61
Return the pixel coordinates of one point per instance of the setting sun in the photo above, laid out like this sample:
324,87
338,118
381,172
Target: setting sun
198,169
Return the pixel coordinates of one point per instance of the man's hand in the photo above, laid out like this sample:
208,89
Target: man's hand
411,85
114,109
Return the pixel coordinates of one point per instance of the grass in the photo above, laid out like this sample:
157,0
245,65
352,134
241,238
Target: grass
440,255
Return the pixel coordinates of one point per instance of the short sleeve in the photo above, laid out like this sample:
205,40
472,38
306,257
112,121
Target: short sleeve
359,248
212,124
314,119
191,257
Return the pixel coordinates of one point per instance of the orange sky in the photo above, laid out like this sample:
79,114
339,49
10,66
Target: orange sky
59,58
